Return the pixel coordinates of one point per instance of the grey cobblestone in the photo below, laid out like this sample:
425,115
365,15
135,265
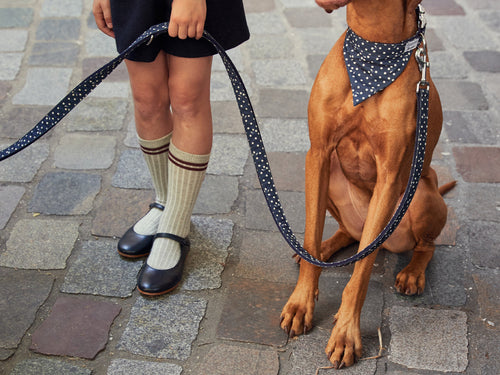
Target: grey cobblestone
132,171
58,29
96,152
163,328
221,89
10,197
111,90
18,120
217,195
37,81
24,166
437,338
110,275
282,104
10,63
229,154
38,366
13,40
285,135
266,23
451,30
278,72
210,240
97,44
241,361
22,295
270,46
461,95
306,362
447,65
30,251
65,193
16,17
127,366
490,19
95,114
61,8
54,54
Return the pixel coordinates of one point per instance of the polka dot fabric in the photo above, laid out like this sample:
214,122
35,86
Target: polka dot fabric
254,140
374,66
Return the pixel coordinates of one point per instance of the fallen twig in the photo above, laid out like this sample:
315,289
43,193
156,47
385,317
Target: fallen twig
323,368
380,350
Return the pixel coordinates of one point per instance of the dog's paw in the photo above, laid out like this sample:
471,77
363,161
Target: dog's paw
296,317
344,346
410,282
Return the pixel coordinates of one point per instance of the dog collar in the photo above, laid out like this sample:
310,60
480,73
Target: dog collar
373,66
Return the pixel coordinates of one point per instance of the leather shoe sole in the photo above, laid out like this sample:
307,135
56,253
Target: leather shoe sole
154,282
135,245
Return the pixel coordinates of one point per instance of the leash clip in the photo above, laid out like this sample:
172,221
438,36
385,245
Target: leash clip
423,64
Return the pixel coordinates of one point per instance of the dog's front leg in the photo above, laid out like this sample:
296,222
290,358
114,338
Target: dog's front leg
345,344
296,317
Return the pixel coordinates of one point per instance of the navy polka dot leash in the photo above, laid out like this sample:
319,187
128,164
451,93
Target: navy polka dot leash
254,139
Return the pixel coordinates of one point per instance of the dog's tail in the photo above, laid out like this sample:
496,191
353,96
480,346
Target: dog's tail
443,189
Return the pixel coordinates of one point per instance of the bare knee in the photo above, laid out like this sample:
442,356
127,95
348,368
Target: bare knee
150,102
188,102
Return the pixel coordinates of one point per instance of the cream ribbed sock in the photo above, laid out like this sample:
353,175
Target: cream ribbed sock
185,176
156,155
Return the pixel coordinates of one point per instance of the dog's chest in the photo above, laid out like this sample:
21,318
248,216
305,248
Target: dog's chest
356,160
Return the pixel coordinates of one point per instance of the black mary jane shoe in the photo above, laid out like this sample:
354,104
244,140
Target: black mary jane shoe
135,245
153,282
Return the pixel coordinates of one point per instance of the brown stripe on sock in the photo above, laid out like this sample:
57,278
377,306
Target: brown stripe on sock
186,165
155,151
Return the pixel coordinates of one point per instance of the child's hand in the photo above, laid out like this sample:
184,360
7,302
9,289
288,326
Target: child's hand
187,18
102,15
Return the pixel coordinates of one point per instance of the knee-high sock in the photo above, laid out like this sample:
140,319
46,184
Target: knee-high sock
185,176
156,155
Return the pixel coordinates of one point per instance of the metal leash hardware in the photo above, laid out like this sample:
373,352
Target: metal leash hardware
254,139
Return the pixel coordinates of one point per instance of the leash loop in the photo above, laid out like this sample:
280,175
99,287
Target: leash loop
254,140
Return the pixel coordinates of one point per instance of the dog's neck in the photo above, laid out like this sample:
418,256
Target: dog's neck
383,21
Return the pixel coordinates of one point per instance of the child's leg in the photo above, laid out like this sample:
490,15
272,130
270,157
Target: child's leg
153,119
189,89
149,83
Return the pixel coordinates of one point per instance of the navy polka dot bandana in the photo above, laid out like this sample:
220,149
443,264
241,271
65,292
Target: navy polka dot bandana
374,66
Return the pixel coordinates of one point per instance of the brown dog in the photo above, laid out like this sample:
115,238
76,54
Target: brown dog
357,169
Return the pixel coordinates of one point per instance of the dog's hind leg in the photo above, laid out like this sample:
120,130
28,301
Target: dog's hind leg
427,213
335,243
338,241
411,280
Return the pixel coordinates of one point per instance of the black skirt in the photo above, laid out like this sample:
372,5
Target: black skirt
225,21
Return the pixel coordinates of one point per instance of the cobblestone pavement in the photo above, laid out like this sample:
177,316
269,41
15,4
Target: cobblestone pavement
68,303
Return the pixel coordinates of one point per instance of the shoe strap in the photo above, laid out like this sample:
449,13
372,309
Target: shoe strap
182,241
156,205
